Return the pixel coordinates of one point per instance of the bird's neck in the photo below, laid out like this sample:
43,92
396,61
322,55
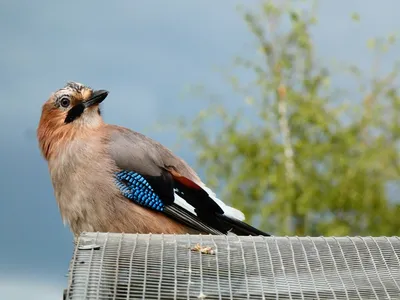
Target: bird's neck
53,140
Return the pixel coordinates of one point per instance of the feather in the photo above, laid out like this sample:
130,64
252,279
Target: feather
228,210
145,191
178,213
171,184
216,217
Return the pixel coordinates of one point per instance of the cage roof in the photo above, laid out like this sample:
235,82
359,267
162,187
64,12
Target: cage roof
135,266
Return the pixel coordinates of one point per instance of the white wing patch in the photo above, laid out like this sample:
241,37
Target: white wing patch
182,203
228,210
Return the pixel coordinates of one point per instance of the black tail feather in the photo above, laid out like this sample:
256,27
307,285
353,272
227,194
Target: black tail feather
209,212
240,228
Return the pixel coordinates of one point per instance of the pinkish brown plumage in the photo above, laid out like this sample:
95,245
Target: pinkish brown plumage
84,154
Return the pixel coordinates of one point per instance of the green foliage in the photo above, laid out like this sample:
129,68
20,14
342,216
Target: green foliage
306,161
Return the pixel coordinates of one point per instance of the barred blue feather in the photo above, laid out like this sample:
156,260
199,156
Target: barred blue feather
135,187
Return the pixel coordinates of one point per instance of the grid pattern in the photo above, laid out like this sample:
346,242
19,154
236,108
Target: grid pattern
130,266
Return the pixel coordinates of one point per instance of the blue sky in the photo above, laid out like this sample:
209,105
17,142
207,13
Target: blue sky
145,54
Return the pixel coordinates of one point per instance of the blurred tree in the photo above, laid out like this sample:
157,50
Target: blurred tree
294,157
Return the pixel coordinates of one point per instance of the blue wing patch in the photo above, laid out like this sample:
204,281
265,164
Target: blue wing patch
135,187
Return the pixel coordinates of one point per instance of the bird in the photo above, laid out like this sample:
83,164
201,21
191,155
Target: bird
108,178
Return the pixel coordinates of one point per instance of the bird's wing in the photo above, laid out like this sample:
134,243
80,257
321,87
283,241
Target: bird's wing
152,176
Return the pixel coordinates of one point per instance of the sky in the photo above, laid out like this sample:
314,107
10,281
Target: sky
145,53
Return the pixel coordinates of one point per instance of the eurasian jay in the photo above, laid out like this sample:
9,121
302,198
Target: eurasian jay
111,179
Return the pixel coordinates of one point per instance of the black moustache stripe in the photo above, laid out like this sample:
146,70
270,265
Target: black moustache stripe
74,113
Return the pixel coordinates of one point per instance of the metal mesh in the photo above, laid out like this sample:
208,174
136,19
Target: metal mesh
129,266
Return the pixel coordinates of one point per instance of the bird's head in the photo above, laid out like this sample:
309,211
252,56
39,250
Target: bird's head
74,103
69,110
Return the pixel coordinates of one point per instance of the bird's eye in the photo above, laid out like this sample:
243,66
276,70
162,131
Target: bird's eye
64,102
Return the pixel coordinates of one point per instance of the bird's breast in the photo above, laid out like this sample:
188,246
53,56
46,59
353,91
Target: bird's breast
82,177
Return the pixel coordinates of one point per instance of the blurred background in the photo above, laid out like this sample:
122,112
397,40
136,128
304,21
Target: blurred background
288,109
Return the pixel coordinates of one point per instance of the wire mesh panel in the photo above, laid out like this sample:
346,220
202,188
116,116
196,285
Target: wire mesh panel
129,266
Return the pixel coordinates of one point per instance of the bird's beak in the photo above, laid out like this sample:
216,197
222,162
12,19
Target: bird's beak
96,98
